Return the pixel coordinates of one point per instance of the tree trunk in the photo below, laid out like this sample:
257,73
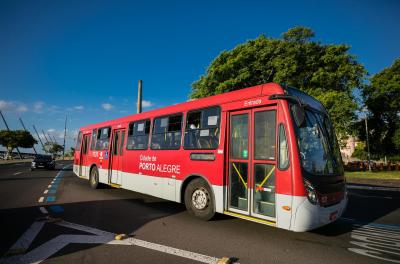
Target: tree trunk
9,153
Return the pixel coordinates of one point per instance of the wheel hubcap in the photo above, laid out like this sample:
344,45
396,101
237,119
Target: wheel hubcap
200,199
94,178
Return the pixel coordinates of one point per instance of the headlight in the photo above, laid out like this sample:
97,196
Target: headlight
311,193
33,163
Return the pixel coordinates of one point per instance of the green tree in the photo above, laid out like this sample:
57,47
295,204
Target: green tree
53,148
382,98
16,138
396,138
327,72
360,151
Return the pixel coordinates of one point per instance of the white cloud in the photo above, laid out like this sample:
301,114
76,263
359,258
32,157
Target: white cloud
22,108
107,106
51,130
4,105
146,104
38,107
12,106
79,107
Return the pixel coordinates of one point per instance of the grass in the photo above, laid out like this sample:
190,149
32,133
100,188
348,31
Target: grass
378,175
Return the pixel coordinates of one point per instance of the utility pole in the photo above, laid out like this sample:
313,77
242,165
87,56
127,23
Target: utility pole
39,138
65,133
366,133
8,129
44,135
22,123
139,99
51,140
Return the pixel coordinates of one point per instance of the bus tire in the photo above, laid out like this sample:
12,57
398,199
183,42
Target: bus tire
199,200
94,178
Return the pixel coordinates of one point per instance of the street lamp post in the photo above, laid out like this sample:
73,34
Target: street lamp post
366,133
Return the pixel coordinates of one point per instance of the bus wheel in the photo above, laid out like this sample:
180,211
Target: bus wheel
94,178
199,200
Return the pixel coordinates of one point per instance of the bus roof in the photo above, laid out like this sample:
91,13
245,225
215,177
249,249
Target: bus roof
238,95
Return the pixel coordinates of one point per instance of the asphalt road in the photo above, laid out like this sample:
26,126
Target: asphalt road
84,222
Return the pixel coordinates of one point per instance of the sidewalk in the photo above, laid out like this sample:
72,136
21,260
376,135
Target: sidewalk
5,162
375,182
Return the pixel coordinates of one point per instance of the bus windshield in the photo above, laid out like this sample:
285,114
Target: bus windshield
319,151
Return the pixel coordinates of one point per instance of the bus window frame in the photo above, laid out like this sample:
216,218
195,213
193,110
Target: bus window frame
79,139
152,130
274,109
148,135
217,127
99,135
93,141
278,159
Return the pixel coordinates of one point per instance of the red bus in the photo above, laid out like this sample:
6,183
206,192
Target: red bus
267,153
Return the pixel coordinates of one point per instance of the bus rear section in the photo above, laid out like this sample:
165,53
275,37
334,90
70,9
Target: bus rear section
249,156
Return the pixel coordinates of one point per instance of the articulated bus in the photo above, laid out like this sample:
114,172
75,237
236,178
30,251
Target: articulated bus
267,154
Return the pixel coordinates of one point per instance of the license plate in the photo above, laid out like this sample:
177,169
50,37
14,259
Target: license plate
333,216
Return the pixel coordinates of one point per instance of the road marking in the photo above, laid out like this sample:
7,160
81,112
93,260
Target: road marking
375,188
165,249
49,186
19,172
376,241
50,199
41,199
43,210
46,191
56,209
26,239
370,225
49,248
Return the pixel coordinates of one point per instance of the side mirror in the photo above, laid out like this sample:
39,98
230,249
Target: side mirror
298,114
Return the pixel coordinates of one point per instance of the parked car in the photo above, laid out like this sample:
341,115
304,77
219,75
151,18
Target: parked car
44,162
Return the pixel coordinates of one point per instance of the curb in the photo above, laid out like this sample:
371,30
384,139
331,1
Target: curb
373,188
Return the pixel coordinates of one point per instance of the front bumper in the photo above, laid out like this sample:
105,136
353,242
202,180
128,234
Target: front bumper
309,216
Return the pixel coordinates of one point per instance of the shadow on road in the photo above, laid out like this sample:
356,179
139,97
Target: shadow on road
115,216
365,206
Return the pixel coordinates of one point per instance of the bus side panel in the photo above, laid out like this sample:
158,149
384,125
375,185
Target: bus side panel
161,173
284,181
75,169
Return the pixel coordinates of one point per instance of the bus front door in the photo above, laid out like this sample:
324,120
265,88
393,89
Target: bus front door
83,166
115,167
251,174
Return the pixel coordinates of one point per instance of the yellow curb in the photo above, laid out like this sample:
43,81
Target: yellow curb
120,237
224,260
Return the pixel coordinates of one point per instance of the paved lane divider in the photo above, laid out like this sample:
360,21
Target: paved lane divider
51,191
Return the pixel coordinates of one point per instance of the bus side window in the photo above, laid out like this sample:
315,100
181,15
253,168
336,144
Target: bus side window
94,138
78,142
202,129
283,149
103,138
138,135
167,132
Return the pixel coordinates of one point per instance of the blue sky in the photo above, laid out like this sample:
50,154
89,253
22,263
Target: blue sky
84,58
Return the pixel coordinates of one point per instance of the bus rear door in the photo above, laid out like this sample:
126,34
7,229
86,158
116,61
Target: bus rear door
115,166
252,163
83,164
